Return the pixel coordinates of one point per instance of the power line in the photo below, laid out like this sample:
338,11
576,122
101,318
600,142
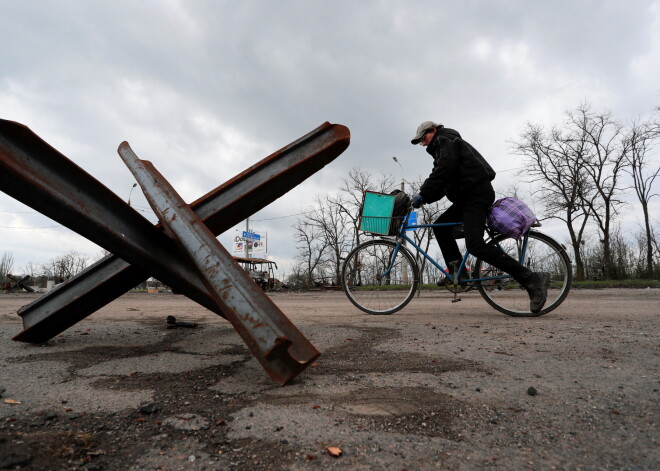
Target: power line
509,169
280,217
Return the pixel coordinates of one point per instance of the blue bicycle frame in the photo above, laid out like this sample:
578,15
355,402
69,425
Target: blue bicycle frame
401,237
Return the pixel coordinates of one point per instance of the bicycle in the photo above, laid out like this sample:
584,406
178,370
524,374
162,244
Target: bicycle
381,275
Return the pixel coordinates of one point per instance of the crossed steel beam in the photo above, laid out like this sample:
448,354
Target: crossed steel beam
17,284
38,175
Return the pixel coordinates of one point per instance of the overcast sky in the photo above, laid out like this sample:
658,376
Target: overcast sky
204,89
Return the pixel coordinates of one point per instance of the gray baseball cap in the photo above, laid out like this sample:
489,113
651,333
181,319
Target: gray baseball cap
421,130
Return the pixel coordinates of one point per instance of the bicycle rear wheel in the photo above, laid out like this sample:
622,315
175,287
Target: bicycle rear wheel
370,286
541,254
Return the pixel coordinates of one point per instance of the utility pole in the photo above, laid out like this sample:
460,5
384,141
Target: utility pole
247,229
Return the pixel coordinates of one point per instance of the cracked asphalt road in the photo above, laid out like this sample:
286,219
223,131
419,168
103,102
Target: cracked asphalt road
435,386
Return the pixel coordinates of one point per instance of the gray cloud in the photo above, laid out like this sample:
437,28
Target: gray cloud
206,88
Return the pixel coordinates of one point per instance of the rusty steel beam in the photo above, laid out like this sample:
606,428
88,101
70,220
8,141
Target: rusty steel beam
278,345
18,284
36,174
220,209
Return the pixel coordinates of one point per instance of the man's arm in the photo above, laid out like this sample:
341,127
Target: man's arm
444,164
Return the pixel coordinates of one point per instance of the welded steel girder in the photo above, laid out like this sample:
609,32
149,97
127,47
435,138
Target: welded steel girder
18,284
99,284
264,328
39,176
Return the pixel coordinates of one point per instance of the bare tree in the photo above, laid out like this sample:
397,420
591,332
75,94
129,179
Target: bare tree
604,165
311,248
63,267
329,229
640,139
639,250
656,251
352,190
6,265
102,254
332,222
31,269
297,278
555,162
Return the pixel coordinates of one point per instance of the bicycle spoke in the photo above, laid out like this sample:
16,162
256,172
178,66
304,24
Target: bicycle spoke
375,282
541,254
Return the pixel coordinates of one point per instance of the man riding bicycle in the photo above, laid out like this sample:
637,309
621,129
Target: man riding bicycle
462,175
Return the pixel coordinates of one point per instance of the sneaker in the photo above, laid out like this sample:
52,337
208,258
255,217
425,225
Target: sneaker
446,281
537,287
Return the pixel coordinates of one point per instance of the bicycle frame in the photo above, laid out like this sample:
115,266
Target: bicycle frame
402,237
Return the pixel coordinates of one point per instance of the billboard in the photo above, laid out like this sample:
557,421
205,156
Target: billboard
256,244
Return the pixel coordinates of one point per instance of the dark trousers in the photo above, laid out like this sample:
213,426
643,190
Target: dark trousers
472,210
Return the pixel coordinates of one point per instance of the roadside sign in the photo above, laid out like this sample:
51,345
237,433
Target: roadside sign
254,245
251,235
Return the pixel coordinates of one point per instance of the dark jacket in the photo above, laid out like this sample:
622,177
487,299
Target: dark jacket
457,168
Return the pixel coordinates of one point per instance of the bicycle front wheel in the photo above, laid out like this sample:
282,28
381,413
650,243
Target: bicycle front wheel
378,278
542,253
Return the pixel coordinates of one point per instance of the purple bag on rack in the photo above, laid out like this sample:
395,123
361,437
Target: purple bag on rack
511,217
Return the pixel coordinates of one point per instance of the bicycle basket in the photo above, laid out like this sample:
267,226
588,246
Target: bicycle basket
377,214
